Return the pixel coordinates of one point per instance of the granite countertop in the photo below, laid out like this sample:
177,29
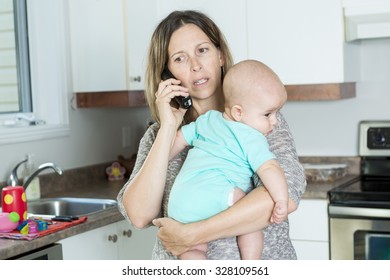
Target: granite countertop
319,190
102,188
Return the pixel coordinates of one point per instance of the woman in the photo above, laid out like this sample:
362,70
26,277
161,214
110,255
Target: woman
195,52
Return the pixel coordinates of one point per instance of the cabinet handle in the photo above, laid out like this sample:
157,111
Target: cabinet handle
135,79
113,238
127,233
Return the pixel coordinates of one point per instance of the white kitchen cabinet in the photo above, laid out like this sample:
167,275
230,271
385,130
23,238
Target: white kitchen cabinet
109,43
229,15
97,42
135,244
309,230
96,244
302,40
115,241
140,22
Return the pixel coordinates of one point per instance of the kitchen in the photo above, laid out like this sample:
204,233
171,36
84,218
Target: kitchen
325,128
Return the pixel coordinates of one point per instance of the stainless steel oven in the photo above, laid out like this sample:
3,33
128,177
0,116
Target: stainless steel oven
359,211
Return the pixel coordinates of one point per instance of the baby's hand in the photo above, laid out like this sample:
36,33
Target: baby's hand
279,214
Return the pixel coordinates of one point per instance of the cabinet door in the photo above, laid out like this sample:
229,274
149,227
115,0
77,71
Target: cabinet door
229,15
97,45
311,250
310,221
309,230
140,22
302,40
135,244
97,244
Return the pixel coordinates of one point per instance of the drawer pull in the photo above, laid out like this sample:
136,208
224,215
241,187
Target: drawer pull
135,79
127,233
113,238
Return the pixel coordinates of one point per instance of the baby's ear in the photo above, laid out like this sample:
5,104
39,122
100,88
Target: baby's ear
237,113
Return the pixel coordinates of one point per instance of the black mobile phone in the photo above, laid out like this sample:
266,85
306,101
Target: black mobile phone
184,102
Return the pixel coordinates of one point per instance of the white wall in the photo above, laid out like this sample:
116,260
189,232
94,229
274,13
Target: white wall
330,128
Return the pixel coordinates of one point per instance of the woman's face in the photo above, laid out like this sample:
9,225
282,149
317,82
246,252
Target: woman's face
196,62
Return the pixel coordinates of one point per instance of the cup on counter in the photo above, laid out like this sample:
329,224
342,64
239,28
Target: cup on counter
13,199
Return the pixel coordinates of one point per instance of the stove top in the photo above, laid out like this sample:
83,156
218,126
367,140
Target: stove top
362,193
372,189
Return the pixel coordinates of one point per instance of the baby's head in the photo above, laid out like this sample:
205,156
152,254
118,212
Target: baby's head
253,95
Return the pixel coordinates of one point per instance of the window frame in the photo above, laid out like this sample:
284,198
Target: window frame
50,74
22,56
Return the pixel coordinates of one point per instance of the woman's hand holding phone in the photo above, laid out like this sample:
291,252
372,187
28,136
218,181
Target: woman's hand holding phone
169,115
184,102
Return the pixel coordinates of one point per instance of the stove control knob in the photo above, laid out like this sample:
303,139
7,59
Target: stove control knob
380,137
377,137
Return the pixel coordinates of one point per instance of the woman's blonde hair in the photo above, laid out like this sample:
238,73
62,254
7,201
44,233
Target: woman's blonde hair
158,50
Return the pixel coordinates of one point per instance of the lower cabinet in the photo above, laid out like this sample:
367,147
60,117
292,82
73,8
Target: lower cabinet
135,244
309,230
115,241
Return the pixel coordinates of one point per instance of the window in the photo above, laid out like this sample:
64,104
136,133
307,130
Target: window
40,87
15,91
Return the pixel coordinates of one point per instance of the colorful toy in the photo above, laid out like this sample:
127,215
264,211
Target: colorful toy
9,221
13,199
115,172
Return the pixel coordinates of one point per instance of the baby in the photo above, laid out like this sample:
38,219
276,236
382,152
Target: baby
227,149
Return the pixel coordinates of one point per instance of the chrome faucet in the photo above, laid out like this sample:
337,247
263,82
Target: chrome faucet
13,178
40,168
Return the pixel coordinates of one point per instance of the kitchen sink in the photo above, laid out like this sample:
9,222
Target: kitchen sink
69,206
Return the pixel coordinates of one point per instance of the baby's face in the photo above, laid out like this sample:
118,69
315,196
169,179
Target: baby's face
259,112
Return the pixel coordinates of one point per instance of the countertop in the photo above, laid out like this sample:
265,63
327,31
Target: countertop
10,248
109,190
319,190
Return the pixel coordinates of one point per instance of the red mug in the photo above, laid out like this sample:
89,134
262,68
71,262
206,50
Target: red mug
13,199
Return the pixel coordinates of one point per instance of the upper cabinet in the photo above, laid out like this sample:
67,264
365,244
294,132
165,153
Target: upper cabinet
97,34
140,21
109,42
302,40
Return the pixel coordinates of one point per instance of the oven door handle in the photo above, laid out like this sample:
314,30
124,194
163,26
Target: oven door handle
341,211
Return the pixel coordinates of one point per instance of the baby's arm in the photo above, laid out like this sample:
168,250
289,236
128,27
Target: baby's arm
178,145
273,178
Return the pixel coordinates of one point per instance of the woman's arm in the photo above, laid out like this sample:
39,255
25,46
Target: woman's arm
142,196
249,214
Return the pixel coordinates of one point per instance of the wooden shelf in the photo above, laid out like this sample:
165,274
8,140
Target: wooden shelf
125,98
320,92
136,98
